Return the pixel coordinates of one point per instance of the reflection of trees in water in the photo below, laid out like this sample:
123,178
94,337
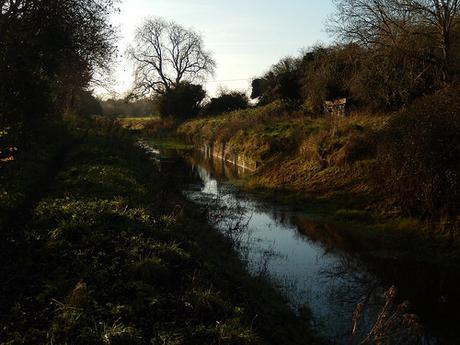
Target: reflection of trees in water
217,167
347,283
226,212
350,283
281,216
351,280
377,316
261,263
330,236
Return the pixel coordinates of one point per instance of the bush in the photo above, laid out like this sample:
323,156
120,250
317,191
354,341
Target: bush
419,156
227,102
182,102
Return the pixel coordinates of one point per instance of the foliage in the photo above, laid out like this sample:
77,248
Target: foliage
420,30
419,156
30,166
327,73
389,53
183,101
393,325
129,108
57,47
373,78
226,102
86,104
282,82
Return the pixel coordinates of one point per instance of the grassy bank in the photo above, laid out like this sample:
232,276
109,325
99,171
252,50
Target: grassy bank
137,123
405,162
392,175
329,156
111,255
35,161
154,125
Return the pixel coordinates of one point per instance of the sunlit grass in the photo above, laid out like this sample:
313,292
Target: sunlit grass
137,123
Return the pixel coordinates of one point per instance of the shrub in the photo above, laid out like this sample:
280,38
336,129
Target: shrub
182,102
419,156
227,102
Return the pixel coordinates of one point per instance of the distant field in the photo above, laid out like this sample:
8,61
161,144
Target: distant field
137,123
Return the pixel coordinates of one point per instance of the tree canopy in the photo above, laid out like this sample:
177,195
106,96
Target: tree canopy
49,50
226,101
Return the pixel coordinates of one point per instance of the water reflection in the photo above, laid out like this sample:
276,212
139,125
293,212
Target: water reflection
276,246
314,264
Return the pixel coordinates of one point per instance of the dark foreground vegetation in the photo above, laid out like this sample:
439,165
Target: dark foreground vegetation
109,253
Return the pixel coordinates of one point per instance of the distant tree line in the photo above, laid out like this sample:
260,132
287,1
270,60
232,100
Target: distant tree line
123,108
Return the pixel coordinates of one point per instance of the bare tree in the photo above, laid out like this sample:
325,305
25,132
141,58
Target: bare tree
165,54
422,29
443,16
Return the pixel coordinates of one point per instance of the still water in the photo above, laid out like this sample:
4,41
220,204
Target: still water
311,261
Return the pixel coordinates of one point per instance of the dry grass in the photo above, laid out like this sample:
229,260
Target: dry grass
294,150
138,123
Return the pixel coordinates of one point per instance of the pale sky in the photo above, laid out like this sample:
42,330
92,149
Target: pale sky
245,37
